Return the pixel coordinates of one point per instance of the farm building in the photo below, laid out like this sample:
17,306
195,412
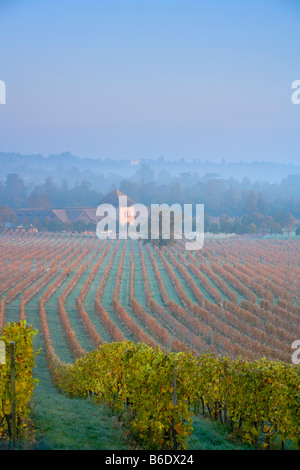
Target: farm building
71,215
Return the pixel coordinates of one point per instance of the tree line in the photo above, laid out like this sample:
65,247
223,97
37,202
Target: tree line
231,206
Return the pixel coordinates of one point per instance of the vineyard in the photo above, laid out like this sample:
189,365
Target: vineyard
208,316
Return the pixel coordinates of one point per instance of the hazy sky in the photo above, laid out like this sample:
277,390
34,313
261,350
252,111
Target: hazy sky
140,79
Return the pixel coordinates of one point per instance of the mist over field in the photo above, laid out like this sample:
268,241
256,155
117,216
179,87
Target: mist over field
100,172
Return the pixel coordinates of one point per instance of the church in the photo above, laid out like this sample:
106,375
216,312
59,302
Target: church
125,214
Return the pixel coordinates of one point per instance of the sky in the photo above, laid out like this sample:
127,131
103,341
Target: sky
141,79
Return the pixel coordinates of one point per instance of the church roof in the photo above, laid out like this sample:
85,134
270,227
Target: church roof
113,198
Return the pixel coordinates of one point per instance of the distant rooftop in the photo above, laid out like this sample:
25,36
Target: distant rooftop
73,214
113,198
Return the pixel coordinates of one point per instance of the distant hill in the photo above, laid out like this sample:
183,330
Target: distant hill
68,167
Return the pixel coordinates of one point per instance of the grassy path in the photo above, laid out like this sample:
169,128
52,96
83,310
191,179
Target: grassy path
68,423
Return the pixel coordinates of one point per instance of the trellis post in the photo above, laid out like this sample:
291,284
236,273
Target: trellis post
13,394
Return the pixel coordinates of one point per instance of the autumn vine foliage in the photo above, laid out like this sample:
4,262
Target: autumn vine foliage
233,297
159,332
71,336
2,312
22,335
159,393
206,318
110,326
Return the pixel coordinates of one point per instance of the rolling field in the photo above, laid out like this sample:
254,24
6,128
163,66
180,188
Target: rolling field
233,298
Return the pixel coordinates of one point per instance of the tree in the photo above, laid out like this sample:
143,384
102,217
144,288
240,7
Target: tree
7,216
214,228
176,193
144,174
213,196
262,204
231,199
39,201
263,228
131,189
249,202
279,217
237,226
163,177
289,222
275,227
269,222
15,191
160,241
225,224
206,222
251,228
